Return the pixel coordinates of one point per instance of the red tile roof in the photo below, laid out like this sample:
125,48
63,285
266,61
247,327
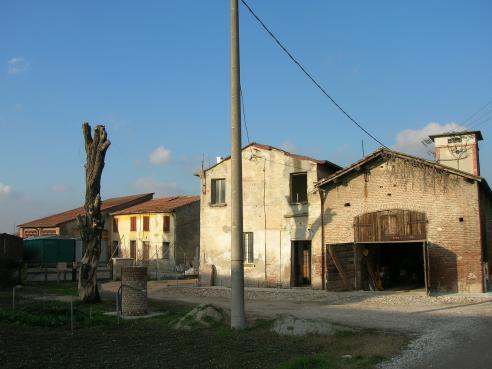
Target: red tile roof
67,216
162,205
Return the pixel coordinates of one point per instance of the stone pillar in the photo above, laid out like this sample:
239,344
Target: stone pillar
134,290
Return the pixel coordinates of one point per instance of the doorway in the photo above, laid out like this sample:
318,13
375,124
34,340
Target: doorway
133,249
301,263
393,266
145,251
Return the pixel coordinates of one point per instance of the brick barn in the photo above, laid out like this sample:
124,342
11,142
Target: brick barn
394,221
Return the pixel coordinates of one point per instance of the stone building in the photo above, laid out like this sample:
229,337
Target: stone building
393,220
281,219
166,230
65,223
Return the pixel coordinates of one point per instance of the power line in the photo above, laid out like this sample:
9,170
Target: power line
308,74
244,111
479,118
476,112
478,124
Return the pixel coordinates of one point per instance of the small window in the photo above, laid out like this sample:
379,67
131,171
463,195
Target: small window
454,140
298,187
166,223
165,250
115,225
248,247
133,224
218,191
146,222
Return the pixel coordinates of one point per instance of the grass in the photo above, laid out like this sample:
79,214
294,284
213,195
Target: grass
38,335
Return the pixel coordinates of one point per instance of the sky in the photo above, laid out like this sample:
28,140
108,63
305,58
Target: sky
156,74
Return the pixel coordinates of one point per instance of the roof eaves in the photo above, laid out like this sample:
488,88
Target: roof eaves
379,152
268,147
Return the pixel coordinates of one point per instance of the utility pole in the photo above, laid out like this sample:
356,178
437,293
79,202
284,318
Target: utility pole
238,320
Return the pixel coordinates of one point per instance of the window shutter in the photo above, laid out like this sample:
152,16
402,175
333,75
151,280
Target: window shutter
167,223
146,224
133,224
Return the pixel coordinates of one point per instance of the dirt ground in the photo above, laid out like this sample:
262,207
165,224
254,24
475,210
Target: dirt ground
450,331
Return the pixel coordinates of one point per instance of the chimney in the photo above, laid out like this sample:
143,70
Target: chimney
219,159
458,150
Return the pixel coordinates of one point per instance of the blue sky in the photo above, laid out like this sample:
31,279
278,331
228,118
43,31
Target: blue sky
156,73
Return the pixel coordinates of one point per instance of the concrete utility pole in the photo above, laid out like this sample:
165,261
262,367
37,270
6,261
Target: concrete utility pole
237,268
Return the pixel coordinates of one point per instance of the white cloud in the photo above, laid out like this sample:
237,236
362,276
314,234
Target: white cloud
17,65
288,146
59,188
160,156
145,184
5,189
410,140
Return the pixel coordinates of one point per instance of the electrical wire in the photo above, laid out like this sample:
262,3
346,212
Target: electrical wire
244,111
476,112
289,54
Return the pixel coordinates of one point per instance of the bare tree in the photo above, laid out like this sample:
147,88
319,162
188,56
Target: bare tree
91,224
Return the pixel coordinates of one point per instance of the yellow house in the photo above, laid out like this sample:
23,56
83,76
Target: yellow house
164,230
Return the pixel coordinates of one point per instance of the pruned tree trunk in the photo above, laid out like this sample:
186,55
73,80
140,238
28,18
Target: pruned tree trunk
91,224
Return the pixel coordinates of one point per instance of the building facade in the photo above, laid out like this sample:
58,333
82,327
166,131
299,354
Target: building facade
396,221
282,244
65,223
164,230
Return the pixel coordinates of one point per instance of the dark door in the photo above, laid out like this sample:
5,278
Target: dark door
146,249
133,249
301,263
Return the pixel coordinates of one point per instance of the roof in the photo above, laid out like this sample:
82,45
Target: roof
450,134
67,216
295,156
162,205
380,152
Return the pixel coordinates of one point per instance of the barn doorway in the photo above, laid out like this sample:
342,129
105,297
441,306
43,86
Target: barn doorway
393,266
301,263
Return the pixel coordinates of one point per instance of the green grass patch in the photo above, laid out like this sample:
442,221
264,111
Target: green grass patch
37,334
55,314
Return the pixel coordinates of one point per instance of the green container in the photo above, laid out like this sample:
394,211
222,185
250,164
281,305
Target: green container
47,252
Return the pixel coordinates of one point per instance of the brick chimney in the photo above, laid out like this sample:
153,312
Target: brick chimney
458,150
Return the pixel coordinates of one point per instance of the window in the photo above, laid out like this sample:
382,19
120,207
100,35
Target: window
218,191
248,247
115,225
133,224
146,224
165,250
454,140
166,227
298,187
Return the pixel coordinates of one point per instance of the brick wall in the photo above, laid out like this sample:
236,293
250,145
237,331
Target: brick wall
134,290
451,206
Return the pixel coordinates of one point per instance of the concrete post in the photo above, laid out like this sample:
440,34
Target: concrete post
237,268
